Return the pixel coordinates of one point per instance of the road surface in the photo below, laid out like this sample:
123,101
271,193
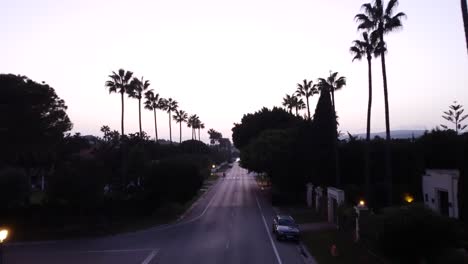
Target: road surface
229,224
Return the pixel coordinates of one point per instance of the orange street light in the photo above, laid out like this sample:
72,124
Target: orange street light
409,198
362,203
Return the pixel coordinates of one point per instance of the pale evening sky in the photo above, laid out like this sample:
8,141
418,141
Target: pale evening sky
221,59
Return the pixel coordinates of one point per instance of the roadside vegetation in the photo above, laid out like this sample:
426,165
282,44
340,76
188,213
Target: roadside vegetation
57,185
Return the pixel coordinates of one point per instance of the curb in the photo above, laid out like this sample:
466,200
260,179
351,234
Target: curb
307,258
183,215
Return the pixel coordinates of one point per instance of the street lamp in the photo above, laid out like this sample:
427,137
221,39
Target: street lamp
213,166
3,236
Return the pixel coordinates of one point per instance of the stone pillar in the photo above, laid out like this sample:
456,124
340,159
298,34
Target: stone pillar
335,199
309,197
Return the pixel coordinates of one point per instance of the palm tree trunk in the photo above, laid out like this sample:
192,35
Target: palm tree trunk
465,19
199,138
388,161
367,149
170,128
155,125
180,133
297,112
122,120
139,116
308,109
333,98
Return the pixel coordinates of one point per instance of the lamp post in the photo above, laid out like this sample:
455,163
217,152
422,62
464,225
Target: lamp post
3,236
360,207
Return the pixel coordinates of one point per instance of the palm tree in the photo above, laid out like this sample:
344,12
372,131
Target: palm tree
169,105
366,48
288,102
299,105
465,19
332,83
152,103
306,90
382,21
180,117
192,123
120,83
200,126
137,87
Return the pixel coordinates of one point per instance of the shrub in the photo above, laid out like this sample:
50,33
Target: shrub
410,233
14,188
173,180
78,183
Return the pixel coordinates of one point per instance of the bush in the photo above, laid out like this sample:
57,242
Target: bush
411,233
78,183
14,188
173,180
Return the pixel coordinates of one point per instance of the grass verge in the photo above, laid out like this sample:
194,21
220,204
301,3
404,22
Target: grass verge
319,244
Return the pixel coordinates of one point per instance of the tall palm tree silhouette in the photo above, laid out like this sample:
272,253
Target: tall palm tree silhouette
152,103
381,21
333,83
170,105
120,83
366,48
464,9
288,102
180,117
192,123
200,126
137,87
306,89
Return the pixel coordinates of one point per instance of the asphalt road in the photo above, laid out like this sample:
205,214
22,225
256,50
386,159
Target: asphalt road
229,224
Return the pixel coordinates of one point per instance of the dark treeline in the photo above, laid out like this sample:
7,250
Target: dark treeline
51,180
294,151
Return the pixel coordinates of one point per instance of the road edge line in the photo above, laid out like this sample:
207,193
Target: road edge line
268,232
150,257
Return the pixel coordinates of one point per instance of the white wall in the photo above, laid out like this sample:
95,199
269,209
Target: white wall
446,180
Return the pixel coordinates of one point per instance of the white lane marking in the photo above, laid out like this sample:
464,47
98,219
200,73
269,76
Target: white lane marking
268,232
118,250
150,256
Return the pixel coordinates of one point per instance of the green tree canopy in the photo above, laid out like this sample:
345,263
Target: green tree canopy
33,116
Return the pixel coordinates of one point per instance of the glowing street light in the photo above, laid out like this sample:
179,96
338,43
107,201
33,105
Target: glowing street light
3,235
213,166
409,198
362,203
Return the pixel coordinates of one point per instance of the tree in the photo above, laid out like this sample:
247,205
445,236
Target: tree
152,103
455,116
169,105
180,117
215,136
464,9
137,87
120,83
192,122
366,47
326,135
382,21
330,85
14,188
201,126
33,118
307,89
288,102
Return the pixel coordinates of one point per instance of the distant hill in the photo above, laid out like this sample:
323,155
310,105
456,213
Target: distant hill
397,134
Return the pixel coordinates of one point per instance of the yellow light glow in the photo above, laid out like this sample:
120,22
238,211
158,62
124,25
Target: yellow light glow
362,203
409,198
214,166
3,235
